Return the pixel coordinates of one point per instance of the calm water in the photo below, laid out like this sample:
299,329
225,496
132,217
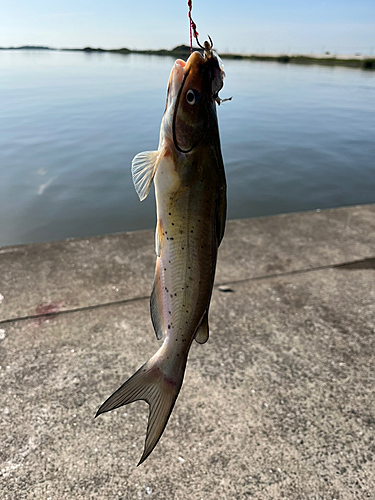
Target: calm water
293,138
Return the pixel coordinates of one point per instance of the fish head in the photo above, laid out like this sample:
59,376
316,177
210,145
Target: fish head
191,99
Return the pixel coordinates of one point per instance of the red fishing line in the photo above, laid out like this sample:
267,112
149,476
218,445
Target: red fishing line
193,26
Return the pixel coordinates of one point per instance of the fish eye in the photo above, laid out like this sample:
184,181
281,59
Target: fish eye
192,96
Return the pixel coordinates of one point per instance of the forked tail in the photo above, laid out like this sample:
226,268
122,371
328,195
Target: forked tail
151,385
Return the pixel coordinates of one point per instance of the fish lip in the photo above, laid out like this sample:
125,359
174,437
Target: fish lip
178,71
180,62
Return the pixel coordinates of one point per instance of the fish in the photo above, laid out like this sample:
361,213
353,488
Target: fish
190,190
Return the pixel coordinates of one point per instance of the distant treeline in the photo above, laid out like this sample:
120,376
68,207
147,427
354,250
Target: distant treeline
183,51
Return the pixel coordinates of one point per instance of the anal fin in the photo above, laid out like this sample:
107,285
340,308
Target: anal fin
156,304
158,237
203,333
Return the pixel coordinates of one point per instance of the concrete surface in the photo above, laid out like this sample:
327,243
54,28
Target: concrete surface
279,403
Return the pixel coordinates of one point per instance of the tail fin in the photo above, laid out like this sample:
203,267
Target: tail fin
151,385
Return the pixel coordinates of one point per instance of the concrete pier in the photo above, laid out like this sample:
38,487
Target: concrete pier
280,403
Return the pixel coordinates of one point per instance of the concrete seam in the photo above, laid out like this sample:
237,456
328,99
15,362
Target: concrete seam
77,309
217,285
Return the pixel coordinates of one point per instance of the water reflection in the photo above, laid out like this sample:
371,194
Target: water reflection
293,138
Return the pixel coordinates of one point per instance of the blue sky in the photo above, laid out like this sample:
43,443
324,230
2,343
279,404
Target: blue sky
235,25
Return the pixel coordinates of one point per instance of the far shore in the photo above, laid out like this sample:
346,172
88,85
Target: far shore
183,51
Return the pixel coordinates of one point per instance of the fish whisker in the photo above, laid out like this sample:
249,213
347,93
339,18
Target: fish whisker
219,101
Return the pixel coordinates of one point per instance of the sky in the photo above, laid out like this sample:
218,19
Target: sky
314,26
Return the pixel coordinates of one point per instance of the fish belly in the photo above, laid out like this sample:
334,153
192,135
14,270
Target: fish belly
187,254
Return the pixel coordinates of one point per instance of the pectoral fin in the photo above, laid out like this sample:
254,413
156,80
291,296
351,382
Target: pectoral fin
202,333
144,166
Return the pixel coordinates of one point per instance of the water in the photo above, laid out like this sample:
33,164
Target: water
293,138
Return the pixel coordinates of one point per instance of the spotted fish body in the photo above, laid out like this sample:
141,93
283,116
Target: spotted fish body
190,188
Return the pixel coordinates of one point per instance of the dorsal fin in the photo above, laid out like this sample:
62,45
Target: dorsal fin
202,333
143,172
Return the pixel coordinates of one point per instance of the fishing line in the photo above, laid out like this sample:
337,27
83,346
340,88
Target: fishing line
193,27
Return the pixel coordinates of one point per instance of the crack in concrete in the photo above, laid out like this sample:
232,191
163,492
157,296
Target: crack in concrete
70,311
362,264
368,263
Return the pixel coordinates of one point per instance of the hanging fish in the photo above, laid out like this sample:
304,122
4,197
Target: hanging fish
190,188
